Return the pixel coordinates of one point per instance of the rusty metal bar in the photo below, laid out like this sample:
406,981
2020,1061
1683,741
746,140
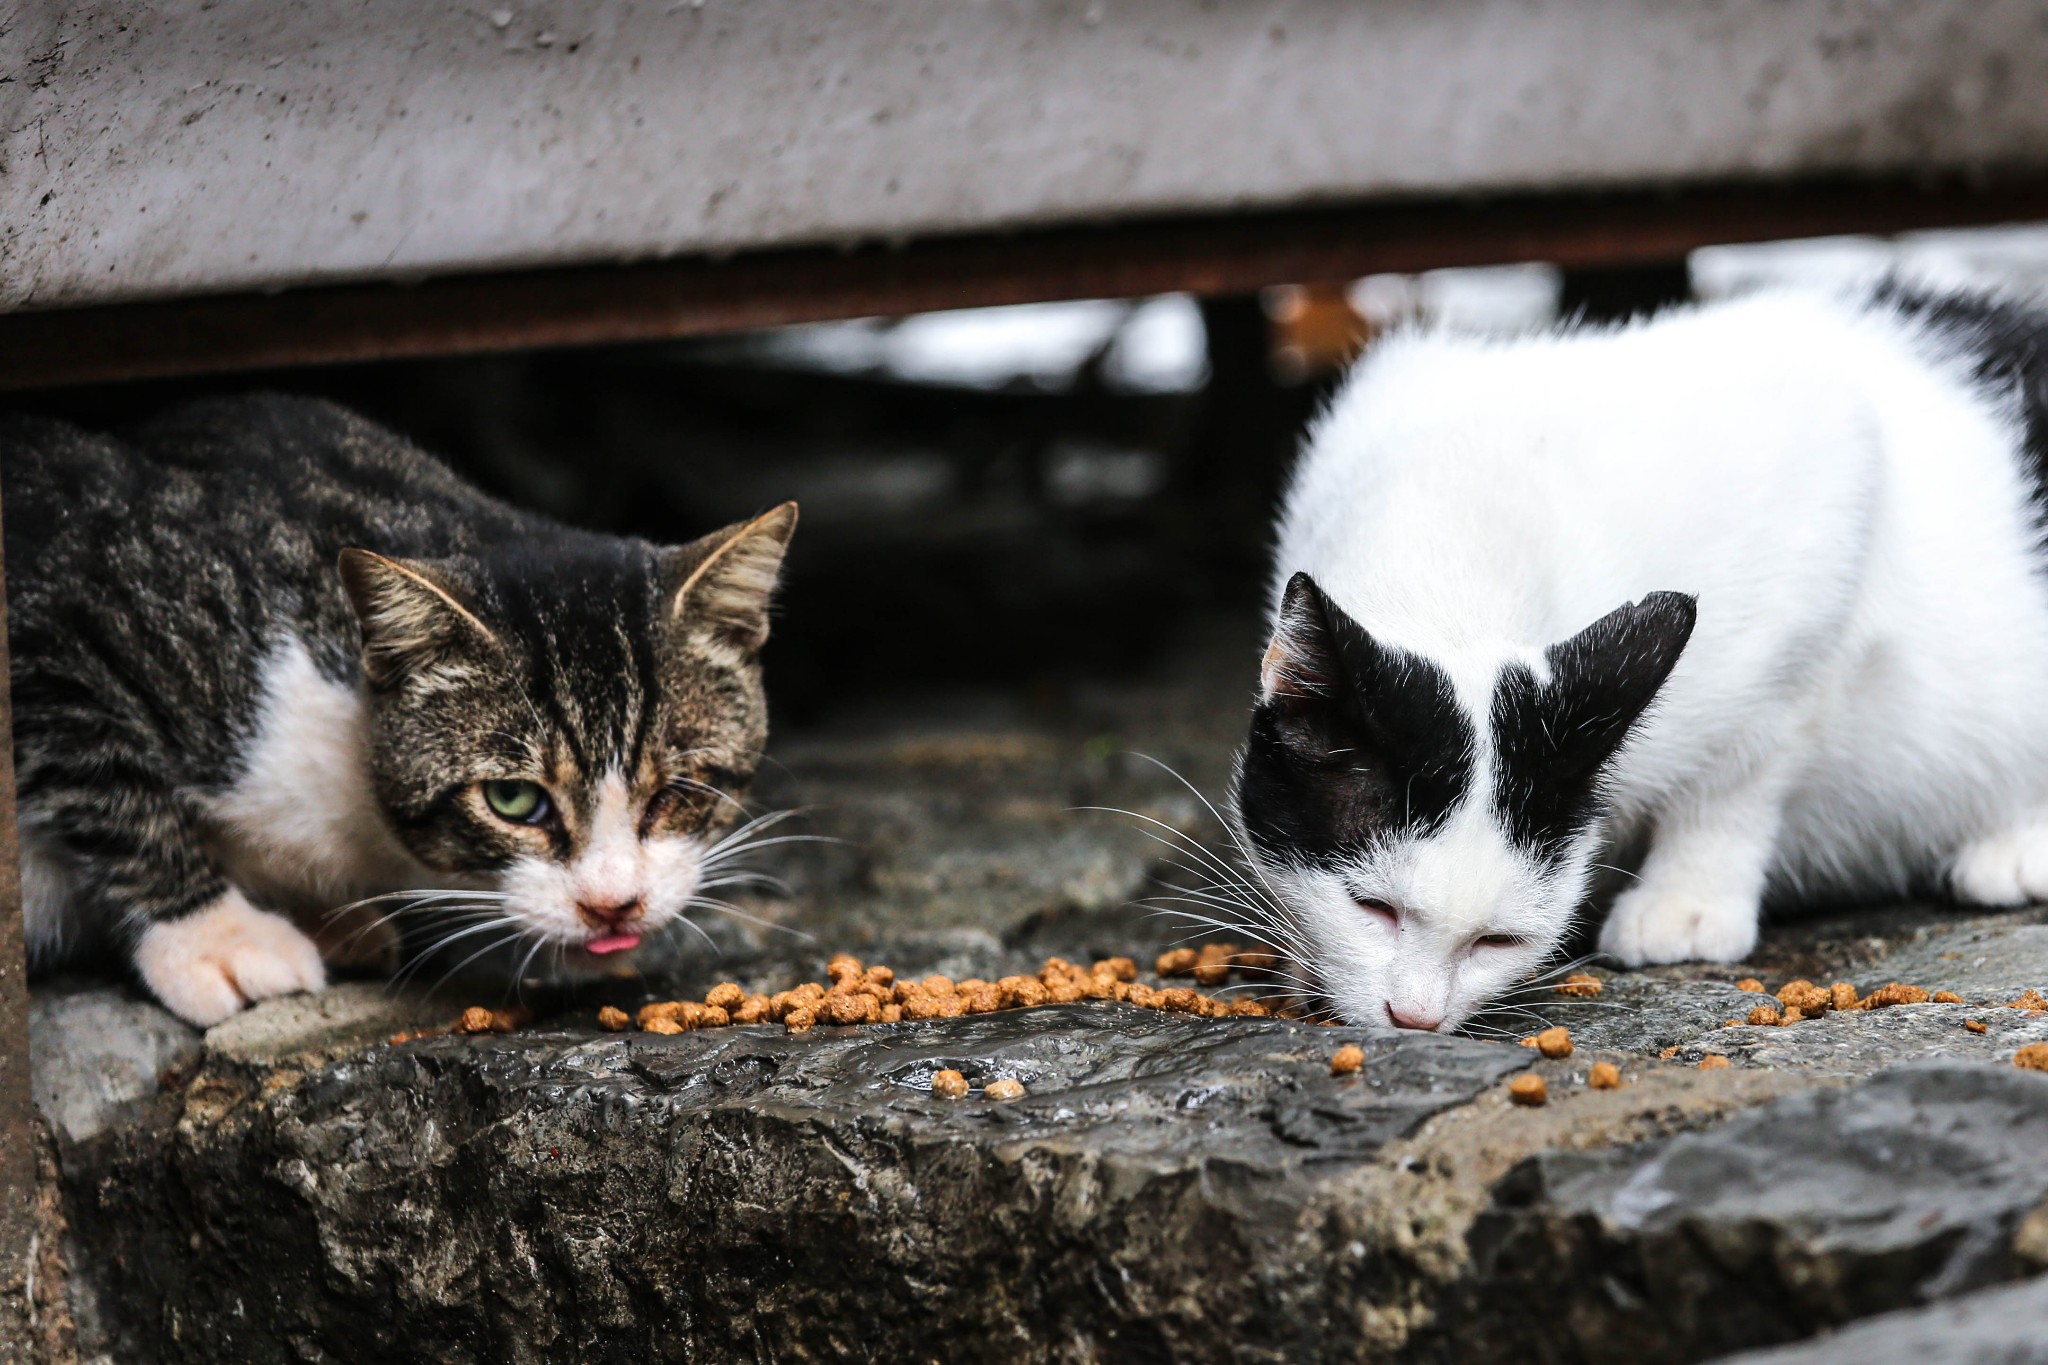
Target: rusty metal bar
610,304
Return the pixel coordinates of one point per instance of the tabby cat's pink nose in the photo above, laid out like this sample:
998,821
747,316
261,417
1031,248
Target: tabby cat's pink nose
1423,1022
599,916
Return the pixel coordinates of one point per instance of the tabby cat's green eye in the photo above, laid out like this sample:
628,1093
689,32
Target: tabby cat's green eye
524,802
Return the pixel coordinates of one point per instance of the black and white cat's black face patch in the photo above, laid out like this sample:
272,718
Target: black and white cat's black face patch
1352,742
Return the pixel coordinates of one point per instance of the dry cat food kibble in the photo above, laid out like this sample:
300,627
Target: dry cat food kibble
1713,1061
1528,1089
2032,1000
1583,985
1554,1042
1975,1026
949,1085
1763,1016
1004,1089
478,1019
860,994
2034,1057
1751,985
1604,1076
1947,998
613,1020
1347,1060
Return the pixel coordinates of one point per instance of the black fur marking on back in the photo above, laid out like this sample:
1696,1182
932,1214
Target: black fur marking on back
1552,740
2009,343
1380,749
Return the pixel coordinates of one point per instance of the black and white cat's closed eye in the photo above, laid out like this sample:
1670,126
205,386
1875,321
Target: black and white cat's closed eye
522,803
1381,911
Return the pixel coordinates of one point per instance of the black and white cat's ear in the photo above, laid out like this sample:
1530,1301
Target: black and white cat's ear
724,582
1603,678
1301,661
411,615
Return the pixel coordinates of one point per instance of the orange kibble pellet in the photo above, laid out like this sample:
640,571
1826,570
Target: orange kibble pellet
1581,984
844,967
1713,1061
1764,1016
1122,968
1177,962
612,1019
1844,997
849,1007
892,1013
661,1023
1668,1053
799,1021
752,1010
2034,1057
660,1009
1975,1026
1528,1089
1750,984
726,995
1894,993
1809,999
475,1019
1554,1042
949,1085
1248,1009
1004,1089
1947,998
2031,1000
1604,1076
1347,1060
1024,992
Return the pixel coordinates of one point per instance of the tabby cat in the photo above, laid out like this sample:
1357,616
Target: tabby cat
270,660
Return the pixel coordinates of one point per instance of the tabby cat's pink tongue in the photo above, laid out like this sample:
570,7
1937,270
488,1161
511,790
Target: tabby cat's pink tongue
613,943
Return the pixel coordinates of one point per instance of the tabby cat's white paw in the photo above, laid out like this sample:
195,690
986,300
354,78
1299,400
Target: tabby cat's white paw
2005,869
212,962
1649,926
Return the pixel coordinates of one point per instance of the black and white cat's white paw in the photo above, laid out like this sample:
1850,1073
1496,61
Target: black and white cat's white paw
1649,925
2010,868
212,962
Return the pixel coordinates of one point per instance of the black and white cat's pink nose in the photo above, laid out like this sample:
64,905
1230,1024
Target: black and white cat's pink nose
1414,1017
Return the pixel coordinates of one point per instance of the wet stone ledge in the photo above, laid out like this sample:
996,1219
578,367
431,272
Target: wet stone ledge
1159,1192
293,1187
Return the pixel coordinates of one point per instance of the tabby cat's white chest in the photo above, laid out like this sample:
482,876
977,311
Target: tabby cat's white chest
301,827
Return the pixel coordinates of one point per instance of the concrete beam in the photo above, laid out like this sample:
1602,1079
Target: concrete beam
178,148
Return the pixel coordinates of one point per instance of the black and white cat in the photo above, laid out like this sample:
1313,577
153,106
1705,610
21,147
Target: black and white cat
269,659
1762,581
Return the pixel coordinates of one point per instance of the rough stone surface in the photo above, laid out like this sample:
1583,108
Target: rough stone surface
338,1020
2004,1326
97,1052
744,1193
1809,1212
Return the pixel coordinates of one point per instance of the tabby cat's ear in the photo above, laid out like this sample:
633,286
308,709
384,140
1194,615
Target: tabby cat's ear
413,623
723,582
